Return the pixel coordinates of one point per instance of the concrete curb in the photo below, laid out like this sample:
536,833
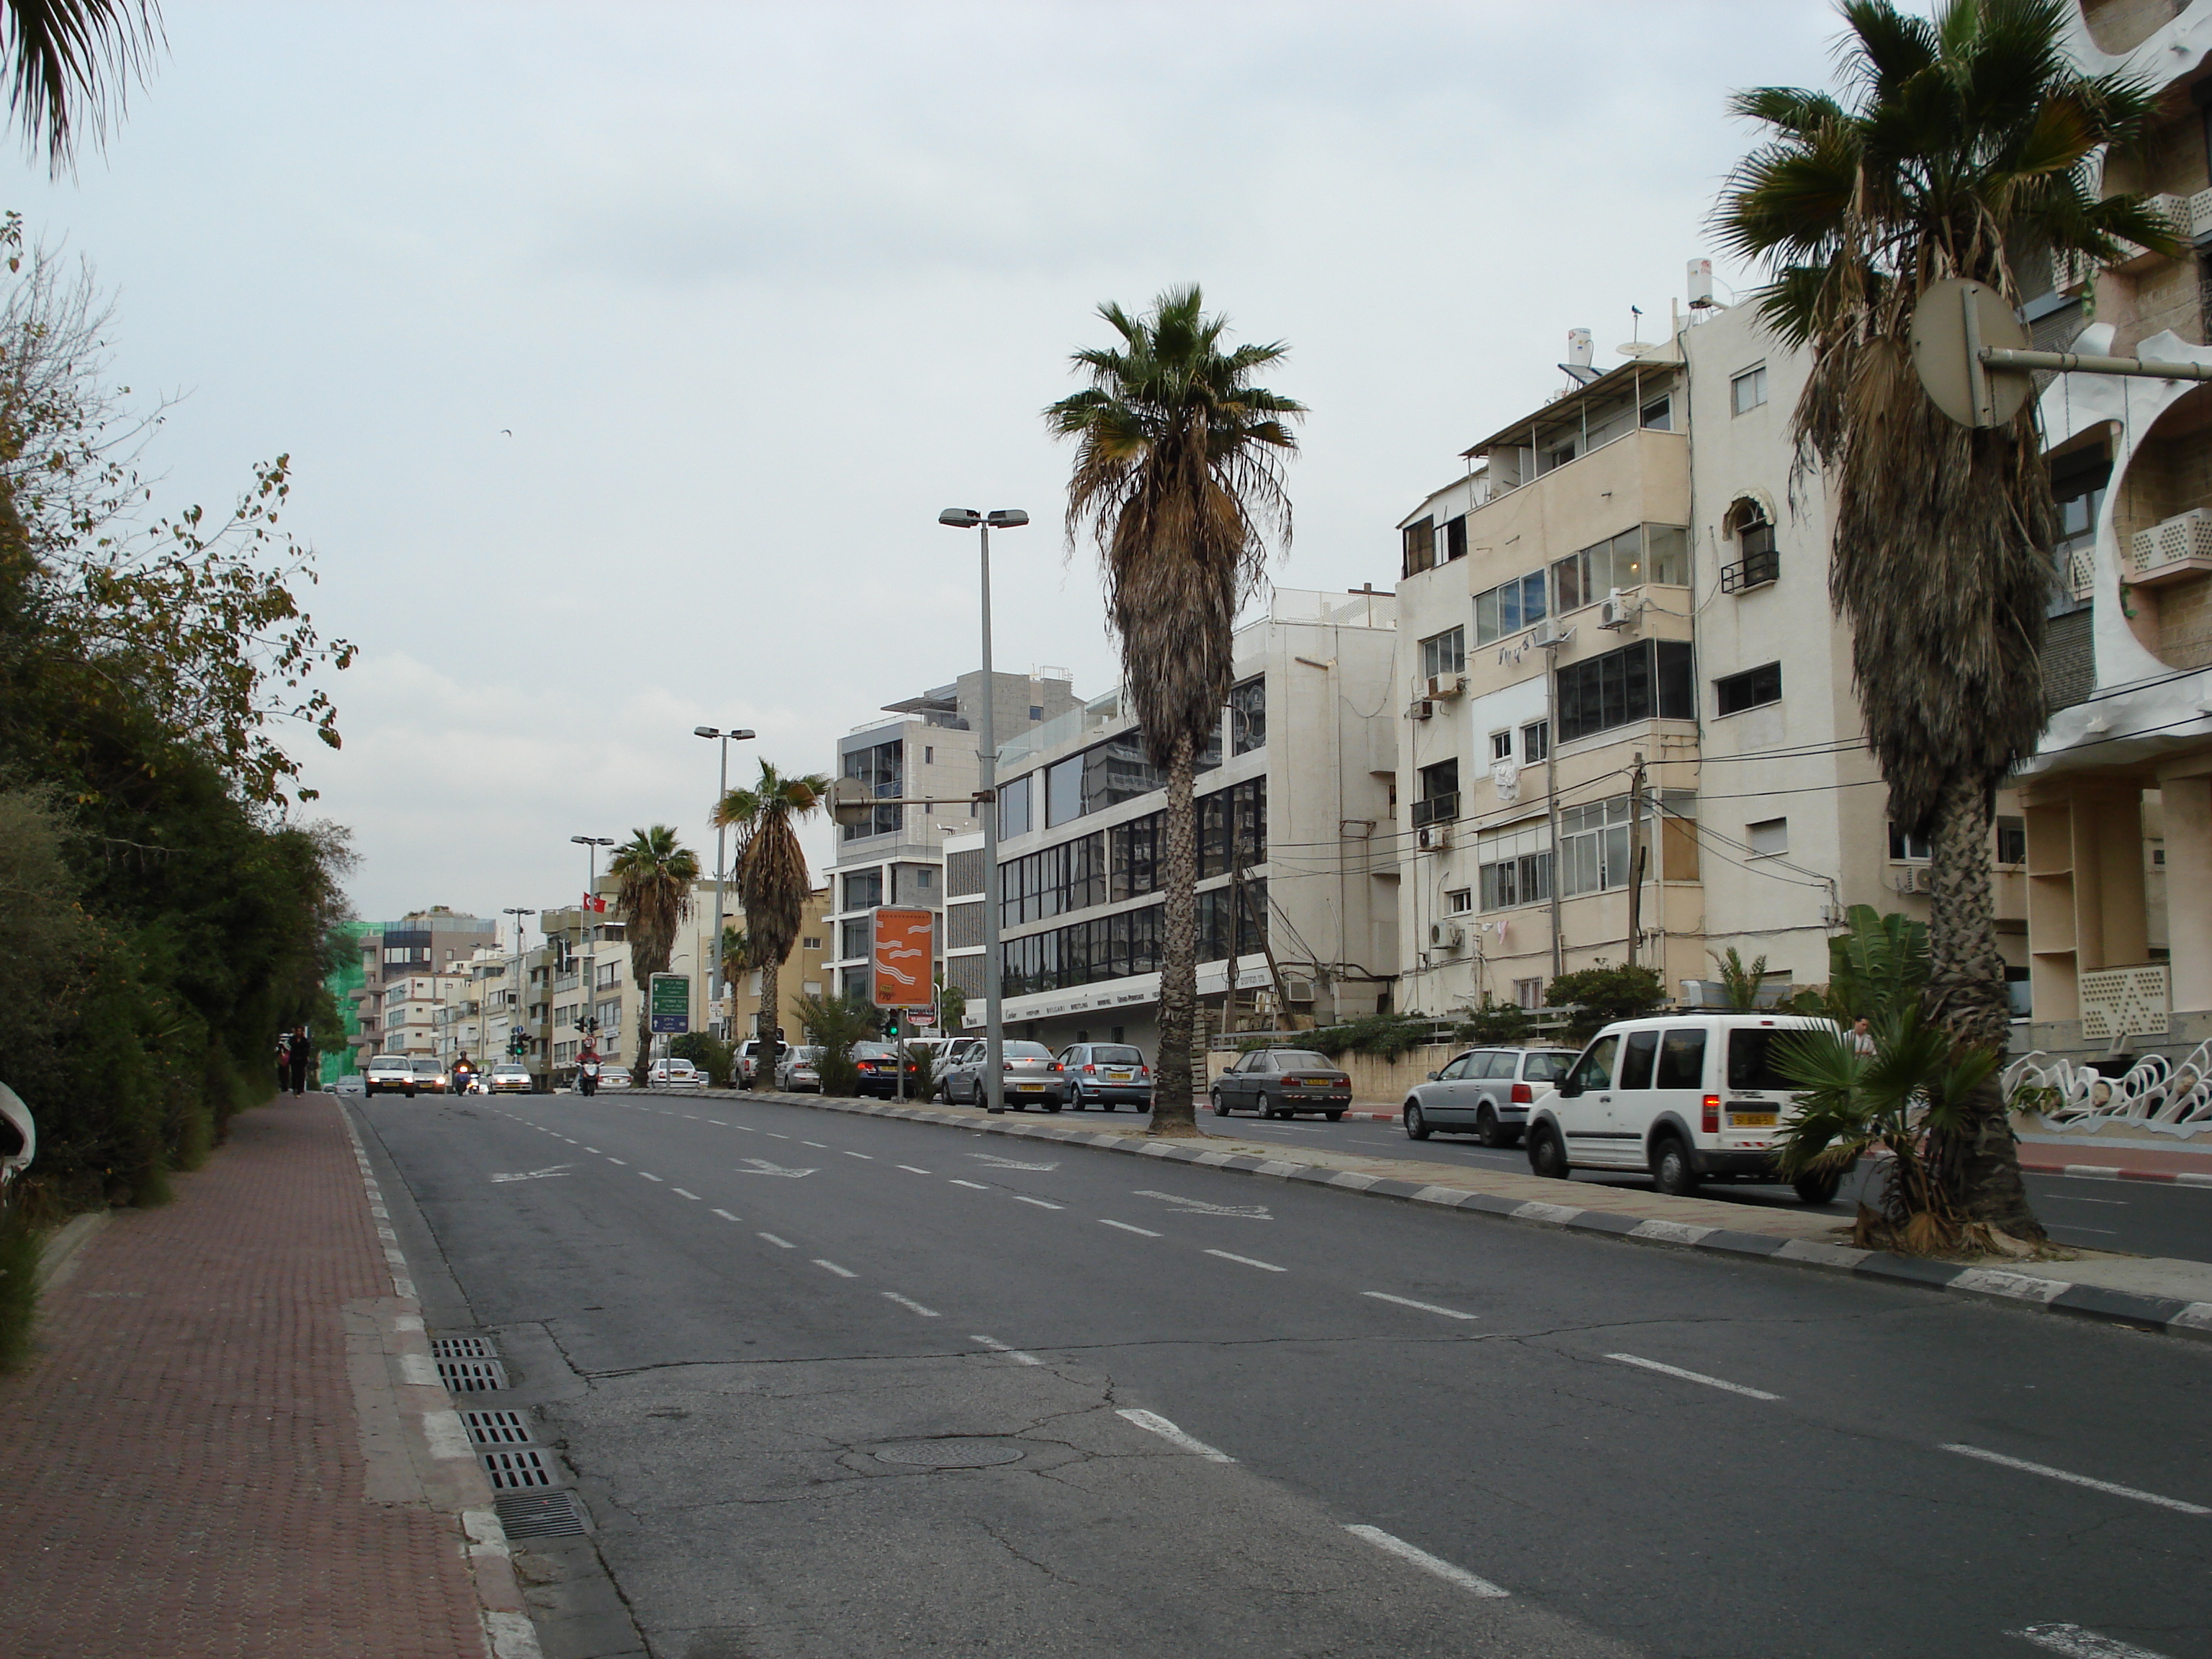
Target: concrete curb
2169,1315
59,1256
2114,1172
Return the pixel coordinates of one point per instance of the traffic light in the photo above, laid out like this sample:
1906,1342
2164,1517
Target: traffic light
891,1025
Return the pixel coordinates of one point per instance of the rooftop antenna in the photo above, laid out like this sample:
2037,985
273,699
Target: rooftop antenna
1638,346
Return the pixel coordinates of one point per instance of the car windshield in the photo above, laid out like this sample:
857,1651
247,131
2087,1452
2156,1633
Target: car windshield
509,1071
389,1060
1027,1051
681,1066
872,1051
1751,1061
1302,1059
1106,1055
1547,1068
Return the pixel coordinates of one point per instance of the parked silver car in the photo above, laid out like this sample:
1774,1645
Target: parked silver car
799,1070
1485,1093
1106,1075
1033,1077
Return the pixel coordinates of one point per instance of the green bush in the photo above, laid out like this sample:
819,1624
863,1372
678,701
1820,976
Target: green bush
1384,1036
1602,994
716,1058
1499,1022
835,1024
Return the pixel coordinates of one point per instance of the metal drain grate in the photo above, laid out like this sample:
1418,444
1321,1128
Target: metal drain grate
462,1347
517,1468
471,1375
539,1514
501,1428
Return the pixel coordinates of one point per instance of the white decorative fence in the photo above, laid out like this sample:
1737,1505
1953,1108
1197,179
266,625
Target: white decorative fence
2163,1096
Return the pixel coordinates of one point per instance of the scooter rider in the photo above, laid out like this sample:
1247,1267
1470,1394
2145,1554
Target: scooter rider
587,1071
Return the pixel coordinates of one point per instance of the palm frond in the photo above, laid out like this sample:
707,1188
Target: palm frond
67,60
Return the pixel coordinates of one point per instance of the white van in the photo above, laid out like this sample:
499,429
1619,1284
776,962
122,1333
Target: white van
1685,1097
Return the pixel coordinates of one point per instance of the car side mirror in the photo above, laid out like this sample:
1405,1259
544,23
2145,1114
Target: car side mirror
1568,1088
1436,1076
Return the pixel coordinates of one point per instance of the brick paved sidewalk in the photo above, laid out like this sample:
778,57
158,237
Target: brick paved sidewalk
182,1470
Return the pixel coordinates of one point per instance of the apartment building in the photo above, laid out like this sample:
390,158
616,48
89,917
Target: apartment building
421,944
1298,870
926,751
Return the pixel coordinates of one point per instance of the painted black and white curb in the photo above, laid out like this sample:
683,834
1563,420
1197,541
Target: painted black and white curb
2168,1315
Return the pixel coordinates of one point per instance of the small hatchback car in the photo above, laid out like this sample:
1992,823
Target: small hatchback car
389,1074
1106,1075
1282,1083
509,1077
1485,1092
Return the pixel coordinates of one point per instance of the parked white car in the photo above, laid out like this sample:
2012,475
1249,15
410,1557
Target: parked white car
956,1051
1688,1098
1485,1092
675,1074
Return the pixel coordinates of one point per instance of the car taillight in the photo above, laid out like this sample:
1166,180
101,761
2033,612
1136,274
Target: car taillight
1523,1095
1054,1066
1144,1071
1712,1120
1090,1071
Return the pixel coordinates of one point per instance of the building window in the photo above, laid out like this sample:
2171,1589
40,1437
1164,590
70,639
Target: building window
883,768
1063,790
1501,746
1248,717
1459,900
928,755
1535,742
1514,867
1439,801
1014,815
1455,537
1528,992
1768,836
1508,607
2012,842
1906,845
811,943
1658,414
864,892
1759,563
1747,391
1420,539
924,878
1594,846
1752,689
1649,553
1444,653
1037,711
1650,679
856,938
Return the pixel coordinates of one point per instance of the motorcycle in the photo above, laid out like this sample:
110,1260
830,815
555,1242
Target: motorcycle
588,1078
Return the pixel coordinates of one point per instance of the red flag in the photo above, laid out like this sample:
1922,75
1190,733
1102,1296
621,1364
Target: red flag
594,903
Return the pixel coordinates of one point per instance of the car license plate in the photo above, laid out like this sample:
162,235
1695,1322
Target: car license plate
1117,1077
1751,1120
1030,1088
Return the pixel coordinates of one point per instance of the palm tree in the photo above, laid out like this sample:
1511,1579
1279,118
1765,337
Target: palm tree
62,57
773,882
656,875
1178,476
1967,142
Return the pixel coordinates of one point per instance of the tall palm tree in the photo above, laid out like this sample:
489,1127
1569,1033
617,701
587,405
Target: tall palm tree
773,882
657,874
1966,141
1178,476
63,59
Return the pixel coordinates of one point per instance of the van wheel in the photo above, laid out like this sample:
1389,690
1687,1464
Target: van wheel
1548,1153
1486,1129
1416,1124
1672,1172
1820,1187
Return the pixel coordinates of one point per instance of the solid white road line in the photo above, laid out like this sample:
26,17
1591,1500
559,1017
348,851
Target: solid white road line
1426,1562
842,1272
772,1135
718,1123
1248,1261
958,1181
1014,1354
869,1155
1039,1202
2070,1198
1693,1376
911,1305
780,1244
2078,1644
910,1169
1167,1431
649,1175
2141,1497
1426,1307
726,1215
680,1193
1126,1228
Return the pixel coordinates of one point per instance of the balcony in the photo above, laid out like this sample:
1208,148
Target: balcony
2168,552
1754,570
1437,808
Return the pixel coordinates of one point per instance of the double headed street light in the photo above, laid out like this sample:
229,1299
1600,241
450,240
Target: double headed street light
591,844
739,733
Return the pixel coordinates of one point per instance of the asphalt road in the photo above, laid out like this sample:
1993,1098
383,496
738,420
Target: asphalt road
1649,1453
2139,1217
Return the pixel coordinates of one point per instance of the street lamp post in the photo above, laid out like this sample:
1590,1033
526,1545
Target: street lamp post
986,790
591,844
715,974
514,1019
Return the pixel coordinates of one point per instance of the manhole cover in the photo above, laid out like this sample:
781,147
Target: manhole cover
498,1428
516,1468
951,1454
539,1514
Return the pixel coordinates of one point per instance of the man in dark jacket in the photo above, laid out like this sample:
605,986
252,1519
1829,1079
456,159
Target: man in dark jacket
298,1052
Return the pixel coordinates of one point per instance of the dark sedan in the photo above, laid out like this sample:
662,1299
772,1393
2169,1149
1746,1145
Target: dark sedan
1282,1083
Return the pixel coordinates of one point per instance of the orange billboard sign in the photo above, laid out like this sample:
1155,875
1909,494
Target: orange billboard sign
905,946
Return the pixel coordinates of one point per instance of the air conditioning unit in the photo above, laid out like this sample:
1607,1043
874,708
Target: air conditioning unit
1447,685
1615,612
1422,709
1918,879
1548,633
1443,936
1298,993
1433,838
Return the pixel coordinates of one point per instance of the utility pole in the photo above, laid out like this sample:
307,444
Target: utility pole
1551,787
1635,858
585,940
1245,909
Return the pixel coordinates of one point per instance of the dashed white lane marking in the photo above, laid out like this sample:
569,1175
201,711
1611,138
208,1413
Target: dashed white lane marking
1693,1376
842,1272
1426,1307
2141,1497
1126,1228
593,1151
911,1305
649,1174
772,1135
958,1181
1426,1562
818,1146
1014,1354
2070,1198
680,1193
1023,1199
727,1215
910,1169
747,1128
718,1123
780,1244
1248,1261
1167,1431
2078,1644
624,1162
869,1155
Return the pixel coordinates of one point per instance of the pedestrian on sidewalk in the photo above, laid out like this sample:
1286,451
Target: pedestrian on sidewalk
297,1051
1861,1037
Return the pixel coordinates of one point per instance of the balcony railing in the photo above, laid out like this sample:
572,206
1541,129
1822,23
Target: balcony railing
1753,570
1437,808
2181,546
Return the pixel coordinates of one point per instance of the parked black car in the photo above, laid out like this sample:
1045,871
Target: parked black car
1282,1083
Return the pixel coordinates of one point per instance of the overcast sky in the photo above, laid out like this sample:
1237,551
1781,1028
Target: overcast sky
758,289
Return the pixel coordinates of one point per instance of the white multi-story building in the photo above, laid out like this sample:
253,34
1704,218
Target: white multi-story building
1297,856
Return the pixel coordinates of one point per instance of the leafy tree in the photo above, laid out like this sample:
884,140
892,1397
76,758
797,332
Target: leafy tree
657,873
1877,965
951,1007
716,1058
1178,476
1502,1023
1601,995
772,880
835,1024
1965,140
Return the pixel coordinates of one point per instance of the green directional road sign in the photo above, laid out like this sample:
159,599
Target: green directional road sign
669,1002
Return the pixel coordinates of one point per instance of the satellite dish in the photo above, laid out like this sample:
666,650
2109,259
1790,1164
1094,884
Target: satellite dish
1638,347
1956,320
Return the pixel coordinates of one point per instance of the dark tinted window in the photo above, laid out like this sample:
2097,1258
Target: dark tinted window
1750,1061
1545,1068
1635,1069
1748,690
1682,1060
